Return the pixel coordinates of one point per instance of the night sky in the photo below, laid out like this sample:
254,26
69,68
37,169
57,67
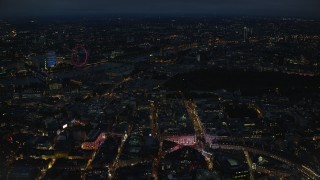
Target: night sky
309,8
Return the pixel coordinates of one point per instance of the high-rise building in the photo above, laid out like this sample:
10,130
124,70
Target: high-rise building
245,34
51,59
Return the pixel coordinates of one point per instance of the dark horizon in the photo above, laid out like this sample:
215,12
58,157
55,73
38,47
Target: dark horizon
101,16
150,89
59,8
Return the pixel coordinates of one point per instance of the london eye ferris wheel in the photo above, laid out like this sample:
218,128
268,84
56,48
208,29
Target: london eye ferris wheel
79,56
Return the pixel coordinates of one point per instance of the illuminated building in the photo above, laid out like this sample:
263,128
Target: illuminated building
183,140
51,59
94,145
